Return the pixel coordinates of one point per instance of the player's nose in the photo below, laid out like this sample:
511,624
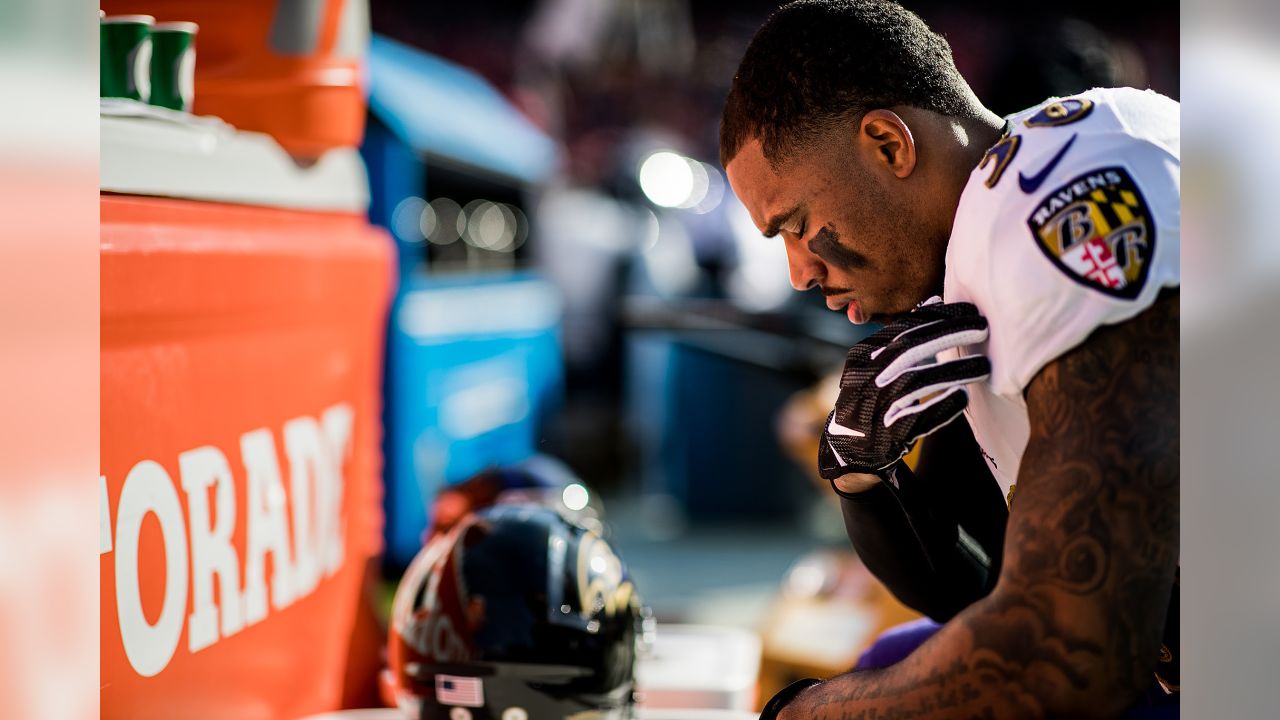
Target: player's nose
805,268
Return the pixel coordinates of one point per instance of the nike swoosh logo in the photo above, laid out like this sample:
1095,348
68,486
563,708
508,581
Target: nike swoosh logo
834,429
1033,183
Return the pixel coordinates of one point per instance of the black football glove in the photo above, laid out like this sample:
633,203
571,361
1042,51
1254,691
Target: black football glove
895,391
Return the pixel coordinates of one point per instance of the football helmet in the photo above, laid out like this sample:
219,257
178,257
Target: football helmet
515,613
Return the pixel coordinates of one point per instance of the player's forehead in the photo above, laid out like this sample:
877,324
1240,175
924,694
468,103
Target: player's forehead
763,189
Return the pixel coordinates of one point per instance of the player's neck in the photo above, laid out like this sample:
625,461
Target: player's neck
974,137
968,141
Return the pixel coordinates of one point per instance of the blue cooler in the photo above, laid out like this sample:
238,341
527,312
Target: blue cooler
473,365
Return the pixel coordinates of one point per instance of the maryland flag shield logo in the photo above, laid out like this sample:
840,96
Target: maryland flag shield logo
1098,230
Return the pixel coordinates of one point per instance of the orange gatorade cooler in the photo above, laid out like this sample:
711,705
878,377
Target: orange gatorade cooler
244,302
241,355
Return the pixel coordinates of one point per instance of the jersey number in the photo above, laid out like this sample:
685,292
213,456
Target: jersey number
1000,154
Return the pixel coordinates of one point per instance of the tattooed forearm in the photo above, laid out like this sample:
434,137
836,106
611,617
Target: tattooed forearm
1073,626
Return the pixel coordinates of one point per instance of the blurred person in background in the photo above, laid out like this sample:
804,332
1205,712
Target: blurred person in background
1026,273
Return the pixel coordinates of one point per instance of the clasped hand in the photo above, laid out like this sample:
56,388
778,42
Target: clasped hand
894,389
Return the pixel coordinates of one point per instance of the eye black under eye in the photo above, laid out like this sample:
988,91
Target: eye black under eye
826,234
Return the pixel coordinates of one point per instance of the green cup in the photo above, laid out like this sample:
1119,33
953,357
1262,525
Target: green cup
173,65
126,57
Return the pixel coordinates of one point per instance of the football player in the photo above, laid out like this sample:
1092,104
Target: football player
1025,271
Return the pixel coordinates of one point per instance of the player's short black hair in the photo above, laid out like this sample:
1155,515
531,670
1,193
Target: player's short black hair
816,62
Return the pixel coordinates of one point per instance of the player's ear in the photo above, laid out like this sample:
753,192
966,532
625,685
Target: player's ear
885,135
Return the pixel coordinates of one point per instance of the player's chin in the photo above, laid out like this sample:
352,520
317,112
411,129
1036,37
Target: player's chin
880,318
870,312
881,314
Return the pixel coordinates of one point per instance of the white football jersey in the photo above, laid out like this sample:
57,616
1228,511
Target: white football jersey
1070,222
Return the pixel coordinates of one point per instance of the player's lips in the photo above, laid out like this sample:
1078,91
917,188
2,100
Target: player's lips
849,306
854,311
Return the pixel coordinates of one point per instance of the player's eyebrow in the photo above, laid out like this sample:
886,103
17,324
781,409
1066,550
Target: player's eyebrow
776,222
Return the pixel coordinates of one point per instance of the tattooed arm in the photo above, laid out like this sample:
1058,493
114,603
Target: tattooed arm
1072,628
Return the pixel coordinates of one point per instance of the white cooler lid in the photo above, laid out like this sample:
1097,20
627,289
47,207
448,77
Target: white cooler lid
148,150
645,713
701,657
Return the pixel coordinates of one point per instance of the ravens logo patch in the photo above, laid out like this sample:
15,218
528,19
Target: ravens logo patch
1098,230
